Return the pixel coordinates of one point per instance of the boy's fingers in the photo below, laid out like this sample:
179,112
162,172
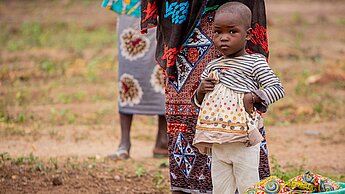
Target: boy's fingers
209,88
209,85
209,79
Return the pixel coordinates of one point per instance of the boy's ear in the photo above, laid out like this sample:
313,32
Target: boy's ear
249,33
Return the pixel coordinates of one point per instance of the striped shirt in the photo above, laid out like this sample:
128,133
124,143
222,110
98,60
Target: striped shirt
248,73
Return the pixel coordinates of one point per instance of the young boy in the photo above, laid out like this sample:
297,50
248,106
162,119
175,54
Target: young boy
232,89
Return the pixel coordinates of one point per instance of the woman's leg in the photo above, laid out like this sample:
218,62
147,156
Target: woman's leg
122,151
126,123
161,146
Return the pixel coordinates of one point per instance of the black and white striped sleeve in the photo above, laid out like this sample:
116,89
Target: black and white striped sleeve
269,83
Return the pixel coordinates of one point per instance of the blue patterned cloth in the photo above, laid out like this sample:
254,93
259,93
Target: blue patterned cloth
128,7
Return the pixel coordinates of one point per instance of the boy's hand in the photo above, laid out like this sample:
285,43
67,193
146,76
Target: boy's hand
206,85
248,103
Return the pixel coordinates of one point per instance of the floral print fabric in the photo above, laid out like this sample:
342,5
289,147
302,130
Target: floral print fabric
141,81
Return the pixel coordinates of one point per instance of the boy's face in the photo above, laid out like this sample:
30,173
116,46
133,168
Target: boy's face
230,34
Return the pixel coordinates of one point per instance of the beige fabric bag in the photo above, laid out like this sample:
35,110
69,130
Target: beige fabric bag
254,134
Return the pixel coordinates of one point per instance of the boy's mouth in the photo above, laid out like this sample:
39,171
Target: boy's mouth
224,46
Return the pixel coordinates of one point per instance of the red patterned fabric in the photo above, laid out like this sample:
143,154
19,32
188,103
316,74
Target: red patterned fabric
149,12
259,36
170,55
177,127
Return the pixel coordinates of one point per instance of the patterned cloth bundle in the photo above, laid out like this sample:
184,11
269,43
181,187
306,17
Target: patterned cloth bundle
307,183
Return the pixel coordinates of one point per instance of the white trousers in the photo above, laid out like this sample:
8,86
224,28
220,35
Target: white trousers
234,166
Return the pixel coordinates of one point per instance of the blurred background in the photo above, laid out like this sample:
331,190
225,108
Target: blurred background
58,100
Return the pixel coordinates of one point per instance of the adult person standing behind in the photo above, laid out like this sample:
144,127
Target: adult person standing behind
140,84
184,36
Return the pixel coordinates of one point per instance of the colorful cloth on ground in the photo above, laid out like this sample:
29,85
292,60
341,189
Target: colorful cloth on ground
178,19
141,81
307,183
128,7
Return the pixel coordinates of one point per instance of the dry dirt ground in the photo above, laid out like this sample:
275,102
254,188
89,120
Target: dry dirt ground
54,156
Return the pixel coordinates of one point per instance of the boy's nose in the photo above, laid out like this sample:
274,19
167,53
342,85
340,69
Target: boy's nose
224,38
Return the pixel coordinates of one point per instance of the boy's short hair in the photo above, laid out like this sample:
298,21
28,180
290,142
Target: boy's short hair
237,8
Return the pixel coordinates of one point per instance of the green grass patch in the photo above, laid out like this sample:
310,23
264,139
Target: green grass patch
56,35
62,116
71,98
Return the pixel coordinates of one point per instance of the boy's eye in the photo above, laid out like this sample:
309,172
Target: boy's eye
231,32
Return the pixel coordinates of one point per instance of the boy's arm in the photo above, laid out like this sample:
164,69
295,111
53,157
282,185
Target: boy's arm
198,95
272,89
206,85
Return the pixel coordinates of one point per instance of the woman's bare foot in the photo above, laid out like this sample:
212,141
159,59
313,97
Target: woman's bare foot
160,152
119,155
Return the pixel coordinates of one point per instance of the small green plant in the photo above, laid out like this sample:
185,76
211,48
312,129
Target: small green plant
29,159
21,118
88,164
299,37
302,88
31,32
52,68
159,181
38,166
54,163
48,66
140,171
97,98
54,134
13,45
20,97
92,71
72,163
4,116
61,116
4,156
318,107
74,97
